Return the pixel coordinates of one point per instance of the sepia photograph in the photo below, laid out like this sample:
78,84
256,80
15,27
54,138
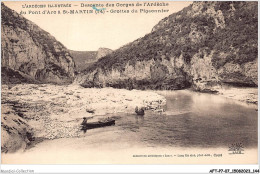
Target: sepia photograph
129,82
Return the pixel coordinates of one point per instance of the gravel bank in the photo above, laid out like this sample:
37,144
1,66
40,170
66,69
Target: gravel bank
53,111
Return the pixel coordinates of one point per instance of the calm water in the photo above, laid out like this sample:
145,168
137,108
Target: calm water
193,120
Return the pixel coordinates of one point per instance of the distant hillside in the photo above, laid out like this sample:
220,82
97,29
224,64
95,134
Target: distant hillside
83,59
204,44
30,54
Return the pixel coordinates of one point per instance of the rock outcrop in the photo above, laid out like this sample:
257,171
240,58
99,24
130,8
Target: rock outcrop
32,52
84,59
16,132
205,44
102,52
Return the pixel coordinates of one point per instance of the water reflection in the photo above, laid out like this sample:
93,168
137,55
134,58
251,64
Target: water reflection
139,119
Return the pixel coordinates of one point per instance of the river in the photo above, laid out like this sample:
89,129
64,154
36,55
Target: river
196,120
191,121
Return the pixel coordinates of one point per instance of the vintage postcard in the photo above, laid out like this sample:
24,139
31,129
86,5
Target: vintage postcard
129,82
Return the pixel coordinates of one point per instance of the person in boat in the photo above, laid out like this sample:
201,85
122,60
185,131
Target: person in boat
136,109
84,124
139,111
85,121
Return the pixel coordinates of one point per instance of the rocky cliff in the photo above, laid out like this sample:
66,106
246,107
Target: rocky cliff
84,59
205,44
102,52
31,52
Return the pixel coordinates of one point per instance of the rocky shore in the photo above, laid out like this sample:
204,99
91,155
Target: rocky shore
247,95
32,111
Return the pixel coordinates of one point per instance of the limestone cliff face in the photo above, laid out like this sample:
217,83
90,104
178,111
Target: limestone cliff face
28,49
205,44
149,74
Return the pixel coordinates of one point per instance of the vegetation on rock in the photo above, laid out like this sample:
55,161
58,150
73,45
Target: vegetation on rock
28,49
223,32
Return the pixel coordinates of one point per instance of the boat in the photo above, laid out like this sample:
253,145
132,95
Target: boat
139,111
92,125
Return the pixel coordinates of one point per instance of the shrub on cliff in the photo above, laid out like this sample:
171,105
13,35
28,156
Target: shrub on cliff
228,30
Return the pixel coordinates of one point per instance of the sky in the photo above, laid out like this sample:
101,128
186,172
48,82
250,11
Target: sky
88,32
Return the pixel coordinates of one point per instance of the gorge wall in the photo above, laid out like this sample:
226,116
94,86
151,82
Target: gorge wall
83,59
30,54
205,44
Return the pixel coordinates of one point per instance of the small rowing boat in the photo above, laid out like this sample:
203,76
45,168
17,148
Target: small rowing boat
92,125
